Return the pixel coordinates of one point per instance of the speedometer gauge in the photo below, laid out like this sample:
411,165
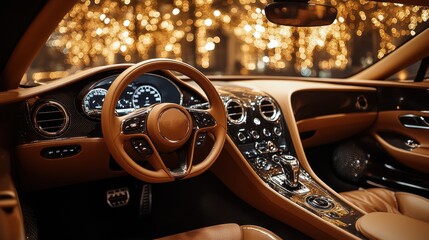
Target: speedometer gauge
93,101
146,95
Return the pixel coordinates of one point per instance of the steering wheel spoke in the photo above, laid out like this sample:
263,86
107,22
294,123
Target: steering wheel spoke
134,122
183,165
143,146
203,119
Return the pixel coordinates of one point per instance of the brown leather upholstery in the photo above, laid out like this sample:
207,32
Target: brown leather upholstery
230,231
381,225
255,232
383,200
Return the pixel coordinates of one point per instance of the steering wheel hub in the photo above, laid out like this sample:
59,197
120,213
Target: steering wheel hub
174,125
169,126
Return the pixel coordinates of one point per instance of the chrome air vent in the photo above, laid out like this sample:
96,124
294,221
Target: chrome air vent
268,109
235,111
50,118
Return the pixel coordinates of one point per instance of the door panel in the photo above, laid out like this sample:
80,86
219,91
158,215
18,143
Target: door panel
11,221
392,152
409,146
401,135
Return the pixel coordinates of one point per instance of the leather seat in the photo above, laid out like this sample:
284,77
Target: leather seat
383,200
230,231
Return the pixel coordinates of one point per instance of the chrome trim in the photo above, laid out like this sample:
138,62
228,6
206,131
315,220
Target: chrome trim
411,143
361,103
54,104
243,117
113,195
179,172
421,121
410,185
93,113
276,110
375,184
416,126
200,106
311,200
290,167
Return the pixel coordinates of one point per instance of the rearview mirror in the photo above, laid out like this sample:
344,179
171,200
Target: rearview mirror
300,14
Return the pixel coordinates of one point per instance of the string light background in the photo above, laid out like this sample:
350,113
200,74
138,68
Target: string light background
227,37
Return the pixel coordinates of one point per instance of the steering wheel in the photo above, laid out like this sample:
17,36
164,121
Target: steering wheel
162,128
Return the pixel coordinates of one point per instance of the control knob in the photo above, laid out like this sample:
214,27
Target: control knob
262,163
266,147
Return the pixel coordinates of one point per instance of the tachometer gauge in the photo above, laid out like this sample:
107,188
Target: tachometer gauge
146,95
93,101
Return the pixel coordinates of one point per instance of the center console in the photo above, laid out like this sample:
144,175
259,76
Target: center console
258,129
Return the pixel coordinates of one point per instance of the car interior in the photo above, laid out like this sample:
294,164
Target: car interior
220,119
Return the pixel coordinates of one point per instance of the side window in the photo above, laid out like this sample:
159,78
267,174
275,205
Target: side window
409,73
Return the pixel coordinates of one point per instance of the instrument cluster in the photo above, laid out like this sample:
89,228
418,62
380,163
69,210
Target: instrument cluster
144,91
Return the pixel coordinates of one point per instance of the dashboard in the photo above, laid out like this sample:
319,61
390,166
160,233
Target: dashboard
74,111
144,91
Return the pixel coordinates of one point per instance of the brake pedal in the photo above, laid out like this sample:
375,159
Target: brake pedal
118,197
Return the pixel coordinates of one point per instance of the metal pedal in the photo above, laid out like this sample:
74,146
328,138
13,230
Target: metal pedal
118,197
145,207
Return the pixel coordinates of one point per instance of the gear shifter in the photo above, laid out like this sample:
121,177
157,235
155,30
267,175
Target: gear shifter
290,168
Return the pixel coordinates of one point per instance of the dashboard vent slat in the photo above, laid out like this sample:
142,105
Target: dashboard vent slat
50,118
235,111
268,109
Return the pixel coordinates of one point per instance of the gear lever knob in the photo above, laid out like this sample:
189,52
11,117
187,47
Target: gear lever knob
290,166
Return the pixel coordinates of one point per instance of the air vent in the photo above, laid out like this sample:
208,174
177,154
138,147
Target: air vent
235,111
50,118
361,103
268,109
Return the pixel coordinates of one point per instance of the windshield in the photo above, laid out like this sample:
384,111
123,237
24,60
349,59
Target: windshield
223,37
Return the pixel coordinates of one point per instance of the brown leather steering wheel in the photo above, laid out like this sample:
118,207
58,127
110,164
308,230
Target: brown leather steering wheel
162,128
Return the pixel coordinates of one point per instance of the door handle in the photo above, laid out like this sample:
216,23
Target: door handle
7,199
414,121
